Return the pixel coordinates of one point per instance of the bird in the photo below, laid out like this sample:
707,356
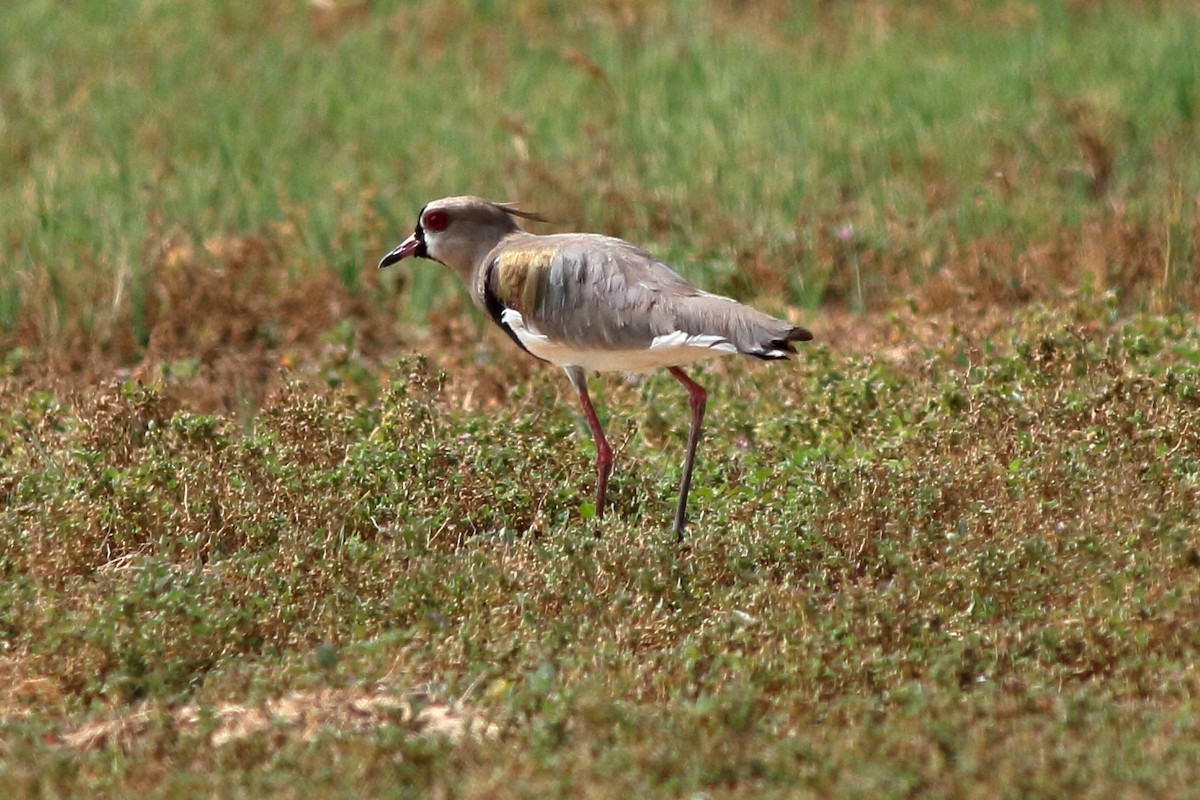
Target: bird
587,302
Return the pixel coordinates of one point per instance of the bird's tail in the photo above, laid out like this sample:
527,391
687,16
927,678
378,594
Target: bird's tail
749,330
781,347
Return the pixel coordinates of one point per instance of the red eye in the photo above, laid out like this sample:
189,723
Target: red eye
435,221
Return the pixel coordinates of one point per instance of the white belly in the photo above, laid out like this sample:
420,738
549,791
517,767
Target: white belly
621,360
672,350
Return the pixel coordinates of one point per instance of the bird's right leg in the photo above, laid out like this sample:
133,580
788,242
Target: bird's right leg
604,455
697,398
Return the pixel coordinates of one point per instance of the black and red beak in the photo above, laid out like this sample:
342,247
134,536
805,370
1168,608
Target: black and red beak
412,246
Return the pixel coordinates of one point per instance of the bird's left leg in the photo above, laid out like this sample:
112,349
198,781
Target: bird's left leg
604,454
697,397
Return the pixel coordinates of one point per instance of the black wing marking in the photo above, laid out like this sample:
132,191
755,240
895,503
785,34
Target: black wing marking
495,308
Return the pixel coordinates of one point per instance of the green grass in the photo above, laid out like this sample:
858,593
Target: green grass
951,550
966,571
704,130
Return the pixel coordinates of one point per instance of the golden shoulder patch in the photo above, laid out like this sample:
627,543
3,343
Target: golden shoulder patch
522,276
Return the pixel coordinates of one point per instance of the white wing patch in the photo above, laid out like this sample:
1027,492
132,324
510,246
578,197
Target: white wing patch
682,339
670,350
513,319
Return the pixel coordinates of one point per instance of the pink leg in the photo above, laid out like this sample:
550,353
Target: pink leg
604,454
697,397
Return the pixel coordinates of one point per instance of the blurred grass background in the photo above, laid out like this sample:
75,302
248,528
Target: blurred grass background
838,153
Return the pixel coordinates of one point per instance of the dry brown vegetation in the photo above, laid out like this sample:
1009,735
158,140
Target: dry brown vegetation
225,321
302,715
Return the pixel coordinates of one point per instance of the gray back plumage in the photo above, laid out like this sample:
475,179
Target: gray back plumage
598,292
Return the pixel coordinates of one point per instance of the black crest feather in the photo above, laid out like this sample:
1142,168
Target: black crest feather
513,211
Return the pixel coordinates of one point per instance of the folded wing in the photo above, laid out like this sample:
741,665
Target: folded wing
587,292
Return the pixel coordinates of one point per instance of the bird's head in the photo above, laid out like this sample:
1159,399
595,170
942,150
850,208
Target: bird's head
458,232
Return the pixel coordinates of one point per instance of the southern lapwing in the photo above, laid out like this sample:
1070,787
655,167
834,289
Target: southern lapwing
589,302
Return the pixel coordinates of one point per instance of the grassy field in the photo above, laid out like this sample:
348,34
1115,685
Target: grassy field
253,545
